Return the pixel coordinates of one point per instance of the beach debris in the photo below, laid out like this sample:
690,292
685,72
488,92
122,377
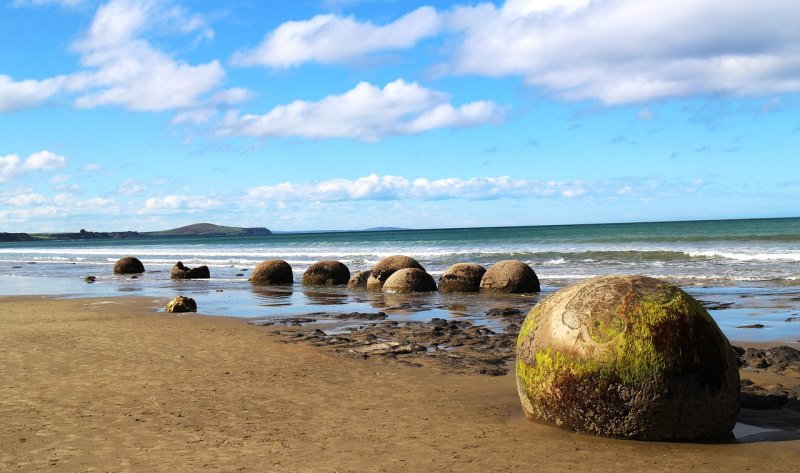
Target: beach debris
509,277
409,280
128,265
326,273
462,277
181,304
627,356
179,271
90,279
272,272
359,280
386,267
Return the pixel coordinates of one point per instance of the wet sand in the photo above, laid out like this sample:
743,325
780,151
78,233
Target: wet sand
111,385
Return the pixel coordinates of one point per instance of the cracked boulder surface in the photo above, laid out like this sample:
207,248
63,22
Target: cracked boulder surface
630,357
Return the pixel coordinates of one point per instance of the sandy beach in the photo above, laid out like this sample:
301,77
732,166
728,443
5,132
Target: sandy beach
112,385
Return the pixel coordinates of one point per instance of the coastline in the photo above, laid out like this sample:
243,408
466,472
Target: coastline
111,384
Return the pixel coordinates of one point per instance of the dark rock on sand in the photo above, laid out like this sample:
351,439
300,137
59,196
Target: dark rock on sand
386,267
179,271
627,356
326,273
782,359
181,304
509,277
409,280
272,272
359,280
462,277
128,265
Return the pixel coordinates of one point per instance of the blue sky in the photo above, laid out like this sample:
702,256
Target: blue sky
343,114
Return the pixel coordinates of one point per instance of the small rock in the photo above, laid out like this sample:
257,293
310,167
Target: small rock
90,279
181,304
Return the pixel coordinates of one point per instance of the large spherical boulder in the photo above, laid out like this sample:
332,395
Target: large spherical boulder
359,280
627,356
272,272
462,277
128,265
326,273
180,271
181,304
509,277
409,280
386,267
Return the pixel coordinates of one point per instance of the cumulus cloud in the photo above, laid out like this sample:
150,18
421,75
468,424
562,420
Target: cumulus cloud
366,113
181,203
628,51
12,165
20,95
332,38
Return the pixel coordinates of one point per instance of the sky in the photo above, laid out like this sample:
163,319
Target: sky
349,114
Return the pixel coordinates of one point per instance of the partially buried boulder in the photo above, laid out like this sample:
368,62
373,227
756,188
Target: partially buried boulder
128,265
509,277
627,356
179,271
272,272
326,273
462,277
181,304
359,280
386,267
409,280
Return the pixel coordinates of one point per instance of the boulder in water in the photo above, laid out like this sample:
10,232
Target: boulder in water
462,277
272,272
181,304
409,280
386,267
509,277
179,271
359,280
128,265
326,273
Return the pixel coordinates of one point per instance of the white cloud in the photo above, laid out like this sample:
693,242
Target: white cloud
11,165
181,202
24,200
130,187
20,95
331,39
628,51
366,113
91,167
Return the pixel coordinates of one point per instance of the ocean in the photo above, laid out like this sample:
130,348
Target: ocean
746,271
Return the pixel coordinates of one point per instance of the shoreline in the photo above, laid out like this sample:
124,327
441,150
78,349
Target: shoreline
111,384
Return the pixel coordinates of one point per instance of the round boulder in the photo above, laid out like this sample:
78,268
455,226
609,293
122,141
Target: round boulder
409,280
180,271
326,273
509,277
272,272
386,267
359,280
181,304
630,357
128,265
462,277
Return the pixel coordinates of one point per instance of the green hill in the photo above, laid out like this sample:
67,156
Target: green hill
209,229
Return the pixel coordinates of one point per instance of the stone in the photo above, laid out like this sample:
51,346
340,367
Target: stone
409,280
90,279
181,304
359,280
179,271
509,277
326,273
272,272
386,267
627,356
462,277
128,265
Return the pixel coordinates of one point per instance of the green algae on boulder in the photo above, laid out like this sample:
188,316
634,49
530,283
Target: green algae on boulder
627,356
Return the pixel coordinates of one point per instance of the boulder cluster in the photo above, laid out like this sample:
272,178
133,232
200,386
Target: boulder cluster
402,274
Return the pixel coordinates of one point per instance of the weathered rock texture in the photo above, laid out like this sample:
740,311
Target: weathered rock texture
272,272
128,265
386,267
181,304
326,273
627,356
409,280
462,277
359,280
180,271
509,277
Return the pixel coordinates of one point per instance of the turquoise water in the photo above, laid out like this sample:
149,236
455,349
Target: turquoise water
754,264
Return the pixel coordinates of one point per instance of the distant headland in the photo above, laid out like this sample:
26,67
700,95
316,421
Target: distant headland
194,230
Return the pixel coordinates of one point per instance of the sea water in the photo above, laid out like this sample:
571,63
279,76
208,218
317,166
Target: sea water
747,270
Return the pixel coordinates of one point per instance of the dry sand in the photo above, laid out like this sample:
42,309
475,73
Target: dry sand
111,385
